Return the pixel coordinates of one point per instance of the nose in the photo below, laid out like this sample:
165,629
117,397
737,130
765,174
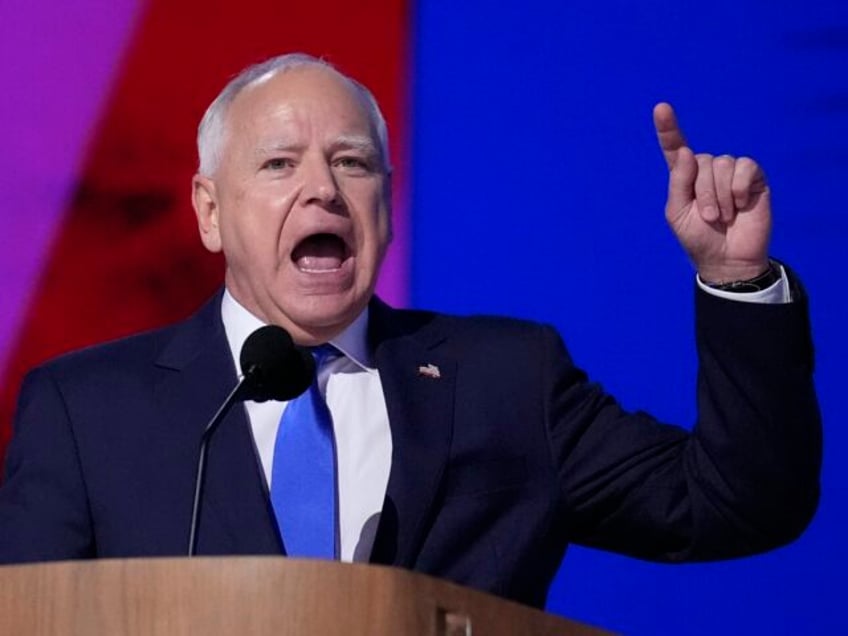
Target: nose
320,186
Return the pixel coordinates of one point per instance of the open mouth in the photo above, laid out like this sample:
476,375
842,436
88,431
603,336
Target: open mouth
320,253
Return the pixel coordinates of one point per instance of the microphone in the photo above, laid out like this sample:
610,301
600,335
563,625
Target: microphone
273,368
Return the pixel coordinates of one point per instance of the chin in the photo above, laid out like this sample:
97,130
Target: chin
323,315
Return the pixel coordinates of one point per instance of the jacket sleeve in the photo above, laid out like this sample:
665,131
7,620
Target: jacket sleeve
44,512
744,480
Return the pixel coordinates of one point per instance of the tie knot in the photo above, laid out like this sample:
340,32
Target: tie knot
324,353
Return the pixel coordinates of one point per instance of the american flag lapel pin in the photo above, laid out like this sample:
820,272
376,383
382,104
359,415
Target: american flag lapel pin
429,371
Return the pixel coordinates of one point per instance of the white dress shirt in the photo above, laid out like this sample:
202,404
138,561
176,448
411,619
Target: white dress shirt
777,294
351,385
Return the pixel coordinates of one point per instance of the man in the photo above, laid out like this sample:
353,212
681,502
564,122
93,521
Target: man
468,448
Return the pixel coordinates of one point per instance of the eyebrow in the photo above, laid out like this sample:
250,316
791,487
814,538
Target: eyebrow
355,142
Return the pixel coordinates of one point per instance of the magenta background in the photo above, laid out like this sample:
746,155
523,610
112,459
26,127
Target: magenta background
58,64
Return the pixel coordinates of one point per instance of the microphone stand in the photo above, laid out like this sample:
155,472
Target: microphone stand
276,369
200,475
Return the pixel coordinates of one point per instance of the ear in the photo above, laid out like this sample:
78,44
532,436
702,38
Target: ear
205,201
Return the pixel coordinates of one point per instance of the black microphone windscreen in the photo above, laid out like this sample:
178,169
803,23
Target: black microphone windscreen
274,367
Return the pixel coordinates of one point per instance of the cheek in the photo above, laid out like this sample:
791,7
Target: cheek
259,211
248,231
368,205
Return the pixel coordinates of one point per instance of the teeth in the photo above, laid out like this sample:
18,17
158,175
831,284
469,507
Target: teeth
308,270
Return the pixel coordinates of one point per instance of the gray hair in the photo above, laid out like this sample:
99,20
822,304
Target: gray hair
212,128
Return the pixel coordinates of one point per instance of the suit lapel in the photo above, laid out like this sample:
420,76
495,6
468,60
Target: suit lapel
198,373
419,385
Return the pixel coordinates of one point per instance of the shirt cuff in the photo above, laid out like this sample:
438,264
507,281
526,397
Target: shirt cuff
777,294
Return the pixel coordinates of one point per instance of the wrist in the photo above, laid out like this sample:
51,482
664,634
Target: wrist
726,274
742,282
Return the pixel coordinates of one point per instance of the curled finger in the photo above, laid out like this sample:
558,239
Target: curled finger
748,181
723,170
705,192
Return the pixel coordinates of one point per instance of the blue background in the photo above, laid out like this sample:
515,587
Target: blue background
538,191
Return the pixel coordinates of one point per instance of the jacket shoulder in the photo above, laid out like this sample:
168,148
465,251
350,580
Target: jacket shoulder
165,346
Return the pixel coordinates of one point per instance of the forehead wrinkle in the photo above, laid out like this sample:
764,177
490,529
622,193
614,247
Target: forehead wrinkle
246,113
361,143
272,147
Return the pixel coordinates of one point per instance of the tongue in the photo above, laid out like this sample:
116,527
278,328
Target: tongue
319,252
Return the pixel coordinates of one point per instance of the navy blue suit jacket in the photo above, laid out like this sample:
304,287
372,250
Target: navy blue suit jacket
497,464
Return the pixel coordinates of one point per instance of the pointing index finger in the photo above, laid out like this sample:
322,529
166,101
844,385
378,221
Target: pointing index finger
668,133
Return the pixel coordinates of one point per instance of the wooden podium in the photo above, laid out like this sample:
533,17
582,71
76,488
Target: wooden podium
253,595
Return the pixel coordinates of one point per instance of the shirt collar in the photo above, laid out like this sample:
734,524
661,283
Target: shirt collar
239,323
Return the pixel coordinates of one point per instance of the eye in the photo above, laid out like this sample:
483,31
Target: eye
278,163
353,163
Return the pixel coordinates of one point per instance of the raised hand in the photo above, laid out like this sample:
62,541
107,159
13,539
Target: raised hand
718,207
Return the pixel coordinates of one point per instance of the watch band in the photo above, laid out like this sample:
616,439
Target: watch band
758,283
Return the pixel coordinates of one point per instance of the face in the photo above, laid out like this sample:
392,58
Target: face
299,203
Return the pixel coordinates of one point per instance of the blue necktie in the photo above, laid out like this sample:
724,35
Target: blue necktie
303,476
